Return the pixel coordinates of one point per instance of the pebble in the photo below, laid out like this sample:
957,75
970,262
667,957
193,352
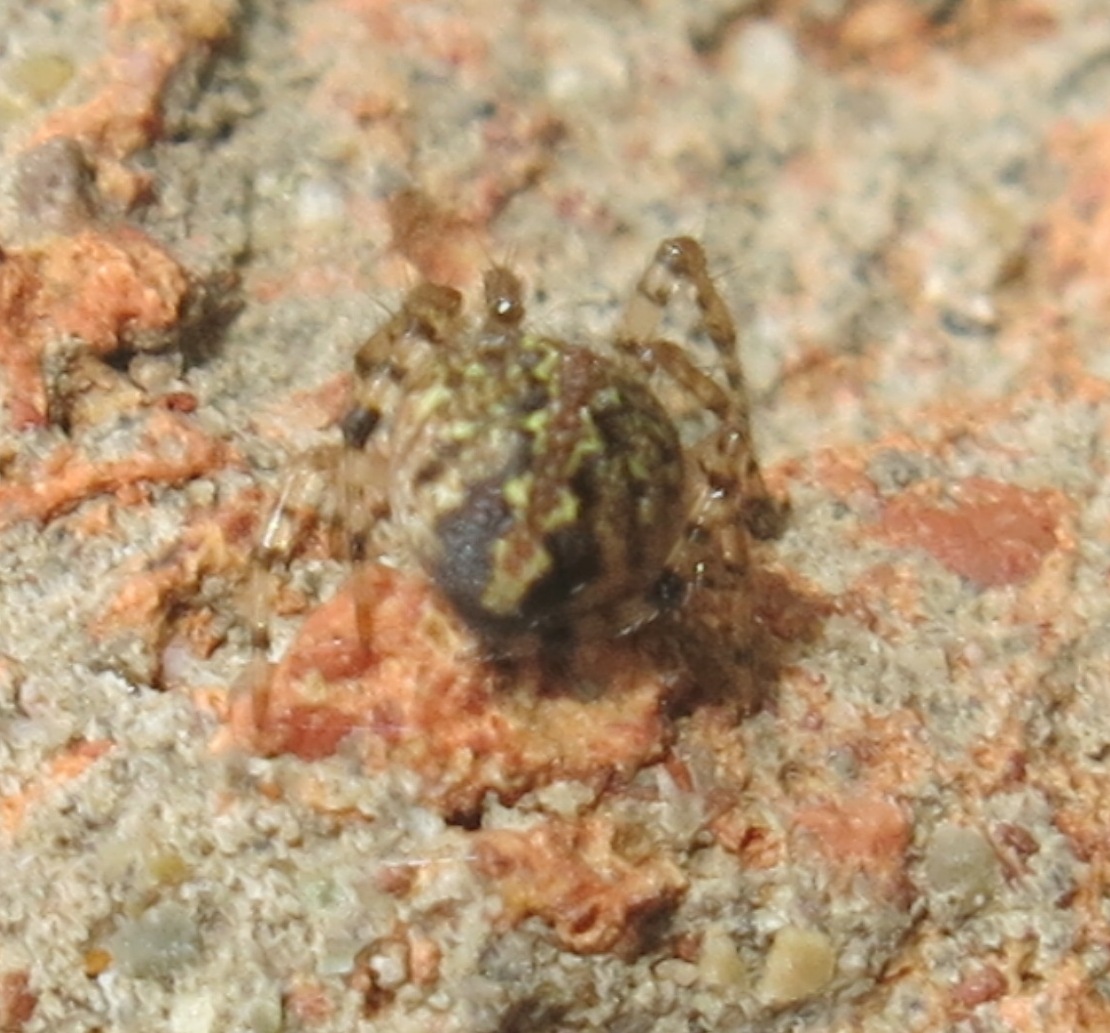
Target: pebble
764,62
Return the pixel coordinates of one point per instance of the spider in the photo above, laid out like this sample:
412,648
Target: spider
545,487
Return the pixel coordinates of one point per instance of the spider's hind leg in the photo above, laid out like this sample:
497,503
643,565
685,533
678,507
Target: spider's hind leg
706,598
303,499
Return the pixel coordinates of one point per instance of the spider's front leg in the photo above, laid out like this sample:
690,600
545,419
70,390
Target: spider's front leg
727,459
346,487
430,317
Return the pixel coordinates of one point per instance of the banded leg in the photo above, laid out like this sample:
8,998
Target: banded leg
715,627
430,317
302,501
735,471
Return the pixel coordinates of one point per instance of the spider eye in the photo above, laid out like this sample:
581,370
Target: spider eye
503,296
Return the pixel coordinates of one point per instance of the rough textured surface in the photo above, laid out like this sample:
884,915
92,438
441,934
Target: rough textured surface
205,207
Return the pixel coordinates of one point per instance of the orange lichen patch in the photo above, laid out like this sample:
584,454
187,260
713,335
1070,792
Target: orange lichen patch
174,452
148,41
65,767
421,700
1077,228
992,533
868,834
124,115
17,1000
105,287
574,877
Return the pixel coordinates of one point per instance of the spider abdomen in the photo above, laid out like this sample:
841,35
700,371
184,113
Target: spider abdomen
536,483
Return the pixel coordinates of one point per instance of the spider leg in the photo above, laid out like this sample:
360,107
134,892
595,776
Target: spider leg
296,508
429,317
706,594
681,261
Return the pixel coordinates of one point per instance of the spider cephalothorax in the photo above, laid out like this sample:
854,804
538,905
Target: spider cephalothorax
544,486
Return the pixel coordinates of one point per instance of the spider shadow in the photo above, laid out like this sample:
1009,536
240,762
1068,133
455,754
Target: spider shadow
740,670
701,666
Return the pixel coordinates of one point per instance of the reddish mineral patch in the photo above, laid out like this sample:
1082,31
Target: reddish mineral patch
992,533
868,834
421,700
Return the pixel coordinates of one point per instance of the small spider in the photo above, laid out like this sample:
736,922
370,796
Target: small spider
545,487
